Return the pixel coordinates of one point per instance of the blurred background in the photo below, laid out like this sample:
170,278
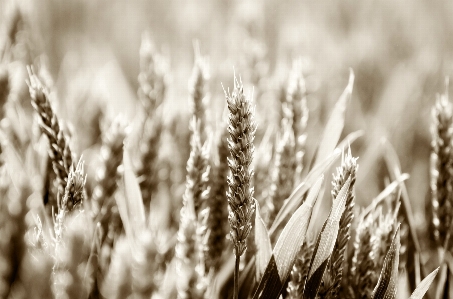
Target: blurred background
400,51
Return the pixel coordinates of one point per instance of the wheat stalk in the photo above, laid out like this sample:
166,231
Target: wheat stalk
241,203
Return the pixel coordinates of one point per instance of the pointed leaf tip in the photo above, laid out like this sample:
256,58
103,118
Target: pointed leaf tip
424,285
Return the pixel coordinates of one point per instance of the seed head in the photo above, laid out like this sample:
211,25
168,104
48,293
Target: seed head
242,129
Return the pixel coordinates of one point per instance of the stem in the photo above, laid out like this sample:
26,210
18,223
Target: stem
236,278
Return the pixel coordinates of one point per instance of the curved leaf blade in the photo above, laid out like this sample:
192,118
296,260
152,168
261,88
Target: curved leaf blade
386,285
295,199
287,247
335,124
263,243
325,243
423,287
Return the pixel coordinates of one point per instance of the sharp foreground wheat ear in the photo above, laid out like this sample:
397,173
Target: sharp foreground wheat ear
59,151
442,167
241,203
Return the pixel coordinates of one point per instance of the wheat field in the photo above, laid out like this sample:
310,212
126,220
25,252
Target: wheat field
226,149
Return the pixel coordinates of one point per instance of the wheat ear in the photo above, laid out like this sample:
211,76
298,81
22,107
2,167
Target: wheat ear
283,174
441,165
218,209
241,203
347,170
59,151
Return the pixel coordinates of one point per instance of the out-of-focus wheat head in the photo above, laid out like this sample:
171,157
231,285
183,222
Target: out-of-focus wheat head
198,91
217,203
103,206
192,226
282,182
149,148
298,112
59,151
441,167
153,76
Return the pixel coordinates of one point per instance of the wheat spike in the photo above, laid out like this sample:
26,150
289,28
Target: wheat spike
241,203
149,154
103,205
218,209
59,151
441,165
347,170
240,193
198,91
297,101
283,174
192,222
299,272
362,272
152,78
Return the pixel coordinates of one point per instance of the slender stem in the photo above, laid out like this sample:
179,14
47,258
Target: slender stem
236,278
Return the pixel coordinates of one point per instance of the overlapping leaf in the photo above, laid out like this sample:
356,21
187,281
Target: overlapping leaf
325,243
263,243
386,285
287,247
130,207
296,198
423,287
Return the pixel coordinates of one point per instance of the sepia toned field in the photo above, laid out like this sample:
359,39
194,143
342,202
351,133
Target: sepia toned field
226,149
